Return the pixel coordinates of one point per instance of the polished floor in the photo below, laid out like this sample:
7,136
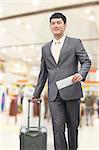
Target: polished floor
9,133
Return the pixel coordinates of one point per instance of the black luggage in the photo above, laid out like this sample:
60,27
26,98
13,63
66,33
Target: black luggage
33,138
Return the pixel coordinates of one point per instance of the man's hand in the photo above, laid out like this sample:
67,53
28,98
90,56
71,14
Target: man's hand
33,99
77,77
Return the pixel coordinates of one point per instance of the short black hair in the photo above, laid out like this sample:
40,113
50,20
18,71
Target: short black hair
58,15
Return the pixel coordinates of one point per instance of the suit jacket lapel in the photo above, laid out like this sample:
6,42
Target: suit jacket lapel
65,44
49,48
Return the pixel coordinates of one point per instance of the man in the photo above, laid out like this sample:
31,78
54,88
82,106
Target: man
64,103
89,100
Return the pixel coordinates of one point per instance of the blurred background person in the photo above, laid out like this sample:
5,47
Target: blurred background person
45,104
98,108
13,110
89,107
82,111
3,102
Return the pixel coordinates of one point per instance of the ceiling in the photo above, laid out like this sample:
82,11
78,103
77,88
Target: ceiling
21,38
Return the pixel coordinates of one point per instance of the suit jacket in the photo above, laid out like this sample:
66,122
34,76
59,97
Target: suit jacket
71,53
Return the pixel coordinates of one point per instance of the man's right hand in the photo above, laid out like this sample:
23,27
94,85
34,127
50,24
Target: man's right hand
33,99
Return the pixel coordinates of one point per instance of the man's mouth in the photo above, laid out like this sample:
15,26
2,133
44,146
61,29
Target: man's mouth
56,30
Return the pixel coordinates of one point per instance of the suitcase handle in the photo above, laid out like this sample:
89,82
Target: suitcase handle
39,123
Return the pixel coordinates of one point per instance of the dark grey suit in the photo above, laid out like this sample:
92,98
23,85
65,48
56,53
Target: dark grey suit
64,104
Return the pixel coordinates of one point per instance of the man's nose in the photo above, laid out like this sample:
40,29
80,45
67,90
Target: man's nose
55,25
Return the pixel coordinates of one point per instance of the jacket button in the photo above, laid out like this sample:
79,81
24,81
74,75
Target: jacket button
57,68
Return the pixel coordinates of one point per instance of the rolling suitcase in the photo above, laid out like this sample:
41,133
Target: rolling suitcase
33,138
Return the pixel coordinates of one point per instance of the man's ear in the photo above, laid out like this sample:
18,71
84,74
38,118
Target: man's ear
65,25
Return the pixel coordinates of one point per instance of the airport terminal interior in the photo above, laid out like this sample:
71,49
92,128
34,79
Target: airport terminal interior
24,29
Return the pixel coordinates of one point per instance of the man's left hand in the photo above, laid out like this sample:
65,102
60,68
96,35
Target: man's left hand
77,77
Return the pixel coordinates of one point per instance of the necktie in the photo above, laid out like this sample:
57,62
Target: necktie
56,51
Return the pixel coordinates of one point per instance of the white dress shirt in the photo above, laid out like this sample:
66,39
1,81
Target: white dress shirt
56,47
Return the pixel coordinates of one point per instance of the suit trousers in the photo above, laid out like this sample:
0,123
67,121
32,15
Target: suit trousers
65,112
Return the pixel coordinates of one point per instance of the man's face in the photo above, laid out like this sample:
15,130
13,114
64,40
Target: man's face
57,26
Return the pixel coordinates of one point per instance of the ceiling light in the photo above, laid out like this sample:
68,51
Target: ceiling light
29,59
20,49
92,18
88,11
28,26
24,59
13,48
3,30
4,50
18,21
35,2
31,46
1,10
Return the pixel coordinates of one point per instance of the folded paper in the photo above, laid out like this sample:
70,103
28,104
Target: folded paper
64,82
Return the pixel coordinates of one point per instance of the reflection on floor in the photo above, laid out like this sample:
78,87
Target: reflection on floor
9,134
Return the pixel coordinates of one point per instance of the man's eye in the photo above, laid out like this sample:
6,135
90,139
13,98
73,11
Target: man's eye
52,23
58,22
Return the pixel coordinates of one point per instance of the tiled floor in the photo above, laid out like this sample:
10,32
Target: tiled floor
9,134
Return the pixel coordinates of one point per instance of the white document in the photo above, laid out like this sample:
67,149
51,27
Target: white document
64,82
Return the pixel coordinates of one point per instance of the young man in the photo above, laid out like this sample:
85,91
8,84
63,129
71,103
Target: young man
60,59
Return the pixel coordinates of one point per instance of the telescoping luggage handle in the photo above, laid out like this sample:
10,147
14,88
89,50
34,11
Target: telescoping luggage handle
39,122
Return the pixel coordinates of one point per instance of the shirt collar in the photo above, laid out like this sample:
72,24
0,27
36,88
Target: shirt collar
61,40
